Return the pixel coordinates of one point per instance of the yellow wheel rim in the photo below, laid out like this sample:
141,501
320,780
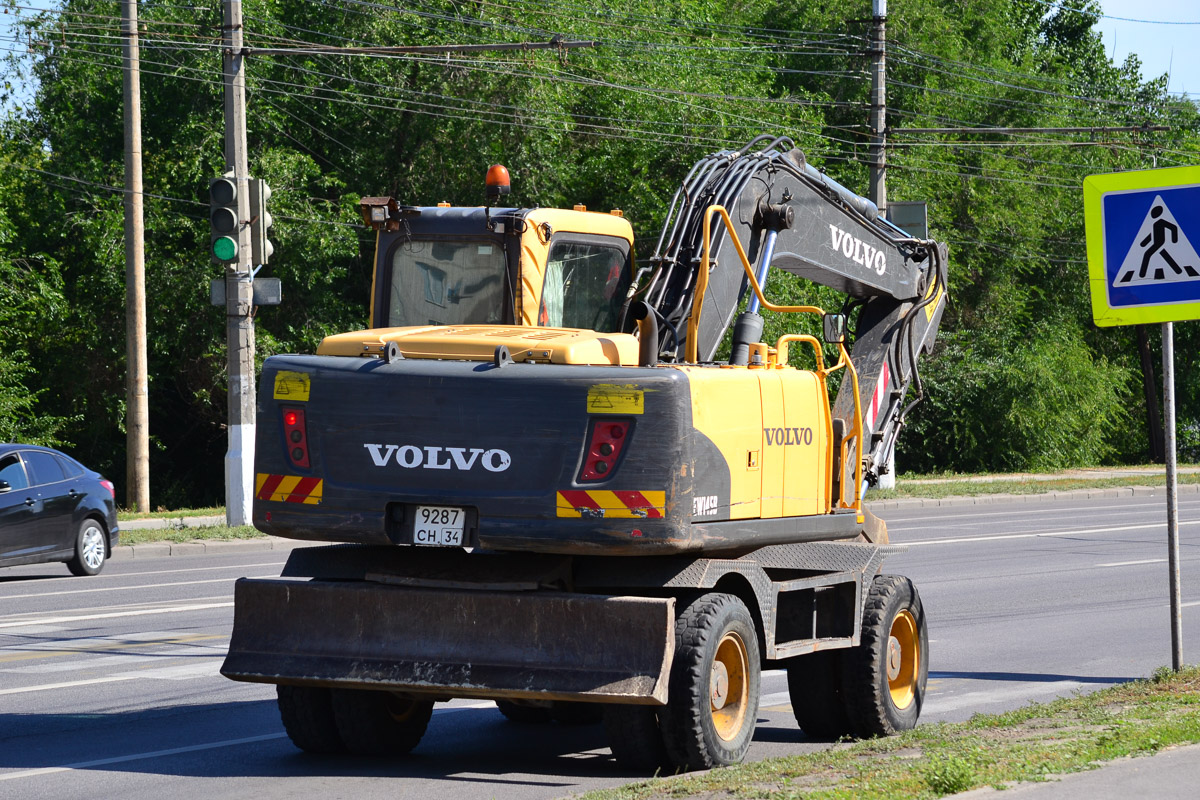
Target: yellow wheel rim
903,659
400,708
729,686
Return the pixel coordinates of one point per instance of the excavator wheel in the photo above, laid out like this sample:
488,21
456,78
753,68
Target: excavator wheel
378,723
307,714
635,738
566,712
815,689
712,702
885,676
524,712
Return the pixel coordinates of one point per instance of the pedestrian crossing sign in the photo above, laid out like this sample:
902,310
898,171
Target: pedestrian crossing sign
1143,238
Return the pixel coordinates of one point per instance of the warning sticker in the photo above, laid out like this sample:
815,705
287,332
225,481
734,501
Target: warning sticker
293,386
1161,251
607,398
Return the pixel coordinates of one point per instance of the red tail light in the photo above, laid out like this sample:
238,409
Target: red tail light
108,487
606,440
295,436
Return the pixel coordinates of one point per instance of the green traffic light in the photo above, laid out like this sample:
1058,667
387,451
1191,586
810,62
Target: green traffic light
225,248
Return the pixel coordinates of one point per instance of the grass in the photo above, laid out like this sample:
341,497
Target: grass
182,534
162,513
1029,744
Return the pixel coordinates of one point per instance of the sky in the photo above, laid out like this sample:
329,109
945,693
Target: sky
1162,48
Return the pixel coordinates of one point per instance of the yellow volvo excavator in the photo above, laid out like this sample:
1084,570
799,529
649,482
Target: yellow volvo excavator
546,491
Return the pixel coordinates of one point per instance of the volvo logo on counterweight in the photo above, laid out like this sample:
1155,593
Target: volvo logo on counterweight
464,459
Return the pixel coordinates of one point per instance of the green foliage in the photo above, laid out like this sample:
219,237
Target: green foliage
1034,399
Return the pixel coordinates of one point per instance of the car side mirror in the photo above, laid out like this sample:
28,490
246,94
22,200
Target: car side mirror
834,328
5,486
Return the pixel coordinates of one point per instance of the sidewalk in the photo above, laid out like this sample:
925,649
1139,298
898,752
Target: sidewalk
1172,774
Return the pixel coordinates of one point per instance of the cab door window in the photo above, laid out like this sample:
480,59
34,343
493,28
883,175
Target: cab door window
585,286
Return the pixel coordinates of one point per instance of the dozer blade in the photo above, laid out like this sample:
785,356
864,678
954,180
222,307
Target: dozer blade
521,645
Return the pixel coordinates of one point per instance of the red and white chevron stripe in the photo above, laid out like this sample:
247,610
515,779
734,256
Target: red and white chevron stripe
877,400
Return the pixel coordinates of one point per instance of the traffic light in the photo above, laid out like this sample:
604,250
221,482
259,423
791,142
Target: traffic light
223,216
260,221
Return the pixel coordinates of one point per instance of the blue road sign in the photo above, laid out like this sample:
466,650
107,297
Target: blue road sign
1143,232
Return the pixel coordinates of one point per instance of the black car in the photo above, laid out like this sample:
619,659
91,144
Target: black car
52,508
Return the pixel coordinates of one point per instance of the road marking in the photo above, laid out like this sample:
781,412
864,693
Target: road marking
1044,534
128,588
68,685
109,576
1133,563
900,523
30,773
115,614
52,650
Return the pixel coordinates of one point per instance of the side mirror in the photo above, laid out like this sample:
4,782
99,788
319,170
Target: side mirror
5,486
834,328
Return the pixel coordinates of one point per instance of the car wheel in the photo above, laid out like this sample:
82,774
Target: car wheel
90,549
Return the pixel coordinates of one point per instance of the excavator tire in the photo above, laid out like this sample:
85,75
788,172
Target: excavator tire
307,714
815,689
712,702
566,712
524,713
635,738
377,723
885,675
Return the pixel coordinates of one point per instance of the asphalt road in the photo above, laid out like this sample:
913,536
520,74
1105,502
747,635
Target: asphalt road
109,686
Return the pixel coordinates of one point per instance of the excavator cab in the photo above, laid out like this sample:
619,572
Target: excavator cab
498,266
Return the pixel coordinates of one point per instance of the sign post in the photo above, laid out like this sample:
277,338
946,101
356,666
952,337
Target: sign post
1143,231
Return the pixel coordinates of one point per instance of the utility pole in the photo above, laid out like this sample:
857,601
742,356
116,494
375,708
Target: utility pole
878,50
239,287
137,425
877,184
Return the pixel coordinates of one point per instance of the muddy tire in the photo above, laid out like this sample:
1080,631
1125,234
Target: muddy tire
815,689
712,704
524,713
635,738
307,714
885,675
379,723
566,712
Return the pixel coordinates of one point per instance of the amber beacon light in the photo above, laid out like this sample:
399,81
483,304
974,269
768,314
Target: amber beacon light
497,181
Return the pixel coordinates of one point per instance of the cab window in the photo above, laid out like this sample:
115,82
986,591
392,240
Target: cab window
585,286
446,283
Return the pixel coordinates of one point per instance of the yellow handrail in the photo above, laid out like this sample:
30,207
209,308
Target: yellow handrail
693,346
781,350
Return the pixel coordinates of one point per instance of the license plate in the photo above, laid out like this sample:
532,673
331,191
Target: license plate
439,526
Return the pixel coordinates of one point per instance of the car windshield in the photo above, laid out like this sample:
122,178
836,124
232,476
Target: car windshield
446,283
